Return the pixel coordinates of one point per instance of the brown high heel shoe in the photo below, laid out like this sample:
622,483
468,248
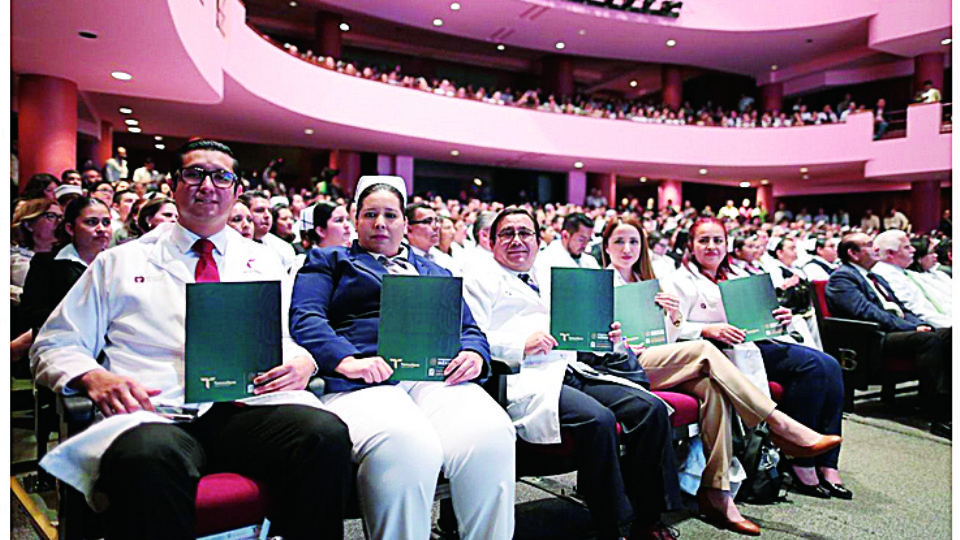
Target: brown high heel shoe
716,516
825,444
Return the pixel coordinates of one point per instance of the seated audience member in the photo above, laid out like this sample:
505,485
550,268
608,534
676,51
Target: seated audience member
945,257
706,374
746,254
282,226
663,264
103,190
729,211
241,220
926,268
423,233
405,432
896,220
331,225
123,202
71,177
895,254
40,186
259,204
813,385
448,237
554,390
146,468
157,211
66,193
824,260
869,222
855,292
480,253
794,292
569,252
90,177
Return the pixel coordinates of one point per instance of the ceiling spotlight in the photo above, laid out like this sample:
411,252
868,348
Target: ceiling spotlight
478,181
581,32
293,4
126,110
454,153
134,129
87,35
643,179
344,27
501,47
157,138
308,131
744,184
806,177
804,170
131,122
633,84
160,146
671,43
577,164
121,75
438,22
946,41
455,6
764,181
774,67
560,45
703,171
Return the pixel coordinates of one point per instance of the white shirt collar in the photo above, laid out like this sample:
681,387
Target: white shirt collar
184,239
69,253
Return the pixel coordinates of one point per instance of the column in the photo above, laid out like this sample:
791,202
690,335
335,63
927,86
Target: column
47,126
384,164
924,205
403,167
771,97
557,76
607,184
670,193
104,148
928,67
672,81
576,187
765,196
328,37
349,165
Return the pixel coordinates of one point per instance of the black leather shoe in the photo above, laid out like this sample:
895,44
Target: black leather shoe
942,429
815,490
836,490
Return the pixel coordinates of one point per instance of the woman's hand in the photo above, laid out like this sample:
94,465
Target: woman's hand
637,349
783,315
539,343
729,334
372,369
465,367
670,304
615,334
293,375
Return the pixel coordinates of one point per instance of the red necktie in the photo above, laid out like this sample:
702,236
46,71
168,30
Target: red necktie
206,271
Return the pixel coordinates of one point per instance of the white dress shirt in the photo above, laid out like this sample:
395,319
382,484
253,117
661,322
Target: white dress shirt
911,295
283,249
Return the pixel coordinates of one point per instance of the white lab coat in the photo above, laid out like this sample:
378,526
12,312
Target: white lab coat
555,255
283,249
814,271
131,305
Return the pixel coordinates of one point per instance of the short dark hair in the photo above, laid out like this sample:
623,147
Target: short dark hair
574,221
412,208
247,197
203,144
373,188
845,246
495,226
68,172
118,195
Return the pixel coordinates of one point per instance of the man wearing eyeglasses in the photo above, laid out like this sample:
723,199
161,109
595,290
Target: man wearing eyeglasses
130,307
423,233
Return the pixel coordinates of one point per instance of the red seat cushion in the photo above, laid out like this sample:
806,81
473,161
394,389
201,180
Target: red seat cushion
686,409
776,391
900,365
227,501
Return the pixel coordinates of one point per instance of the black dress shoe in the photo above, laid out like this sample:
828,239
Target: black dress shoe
836,490
942,429
815,490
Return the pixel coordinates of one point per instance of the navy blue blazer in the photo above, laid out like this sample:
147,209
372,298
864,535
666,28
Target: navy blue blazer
335,311
849,295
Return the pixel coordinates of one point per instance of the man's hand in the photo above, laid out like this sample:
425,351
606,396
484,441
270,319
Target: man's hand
465,367
539,343
372,369
924,328
294,375
731,335
116,394
783,315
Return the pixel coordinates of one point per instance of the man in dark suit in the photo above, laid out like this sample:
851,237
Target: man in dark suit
857,293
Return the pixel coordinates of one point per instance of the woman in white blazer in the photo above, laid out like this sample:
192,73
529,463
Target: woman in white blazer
712,378
812,380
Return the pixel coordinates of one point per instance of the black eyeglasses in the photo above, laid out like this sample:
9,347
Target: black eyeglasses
221,178
428,221
51,216
508,234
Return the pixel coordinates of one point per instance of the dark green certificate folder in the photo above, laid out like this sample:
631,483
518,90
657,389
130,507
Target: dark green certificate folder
581,309
419,325
233,335
640,318
749,303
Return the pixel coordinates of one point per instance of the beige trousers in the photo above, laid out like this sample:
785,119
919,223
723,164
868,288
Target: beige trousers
700,369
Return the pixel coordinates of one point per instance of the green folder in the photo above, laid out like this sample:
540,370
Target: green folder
640,318
749,303
420,322
581,309
232,335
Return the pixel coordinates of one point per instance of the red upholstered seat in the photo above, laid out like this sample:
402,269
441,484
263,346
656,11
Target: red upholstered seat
776,391
227,501
820,288
686,409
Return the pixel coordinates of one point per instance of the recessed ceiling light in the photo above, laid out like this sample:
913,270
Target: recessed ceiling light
764,181
131,122
478,181
308,131
438,22
455,6
581,32
703,171
577,164
671,43
134,129
744,184
643,179
560,45
774,67
126,110
293,4
946,41
806,177
804,170
157,138
87,35
633,84
344,27
454,153
501,47
121,75
159,146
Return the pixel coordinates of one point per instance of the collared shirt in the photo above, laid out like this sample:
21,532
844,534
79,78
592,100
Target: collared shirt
887,305
910,292
69,253
397,265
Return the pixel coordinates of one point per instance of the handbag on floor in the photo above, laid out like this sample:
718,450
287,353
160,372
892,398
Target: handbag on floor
760,459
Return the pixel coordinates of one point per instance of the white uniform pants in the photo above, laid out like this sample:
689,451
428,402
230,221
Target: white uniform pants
403,434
